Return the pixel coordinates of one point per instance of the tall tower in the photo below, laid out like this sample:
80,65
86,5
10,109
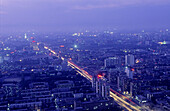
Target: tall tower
131,88
65,65
129,72
129,60
101,85
123,84
118,82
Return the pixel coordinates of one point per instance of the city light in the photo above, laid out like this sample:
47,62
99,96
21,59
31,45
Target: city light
133,69
137,61
164,42
61,45
75,46
80,56
99,76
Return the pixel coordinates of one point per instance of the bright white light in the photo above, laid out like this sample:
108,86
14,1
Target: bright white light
75,46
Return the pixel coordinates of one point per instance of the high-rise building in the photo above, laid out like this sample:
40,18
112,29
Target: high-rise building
129,60
118,82
65,65
131,88
129,72
100,83
111,62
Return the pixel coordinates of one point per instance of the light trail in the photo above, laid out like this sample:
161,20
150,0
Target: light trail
81,73
123,101
113,93
118,102
123,96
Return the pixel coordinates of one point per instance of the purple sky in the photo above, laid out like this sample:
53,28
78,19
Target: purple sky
76,15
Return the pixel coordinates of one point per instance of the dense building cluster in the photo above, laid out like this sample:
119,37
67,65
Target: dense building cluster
35,74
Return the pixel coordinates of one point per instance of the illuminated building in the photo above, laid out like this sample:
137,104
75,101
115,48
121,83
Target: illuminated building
65,65
111,62
129,72
164,42
131,88
34,45
100,83
118,82
25,36
6,57
129,60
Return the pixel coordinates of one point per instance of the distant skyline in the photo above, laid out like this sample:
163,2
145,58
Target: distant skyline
77,15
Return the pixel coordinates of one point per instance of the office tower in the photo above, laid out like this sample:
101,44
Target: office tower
105,90
129,60
129,72
131,88
123,84
100,83
111,62
118,82
94,82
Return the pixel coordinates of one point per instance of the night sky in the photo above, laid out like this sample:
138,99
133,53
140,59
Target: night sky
77,15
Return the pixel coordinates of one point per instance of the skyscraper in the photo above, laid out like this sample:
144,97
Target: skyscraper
100,83
129,72
129,60
131,88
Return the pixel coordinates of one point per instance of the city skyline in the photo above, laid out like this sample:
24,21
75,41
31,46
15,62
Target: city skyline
84,55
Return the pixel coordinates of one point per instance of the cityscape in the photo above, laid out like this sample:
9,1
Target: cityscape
82,67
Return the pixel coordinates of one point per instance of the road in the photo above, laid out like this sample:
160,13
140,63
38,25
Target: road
121,100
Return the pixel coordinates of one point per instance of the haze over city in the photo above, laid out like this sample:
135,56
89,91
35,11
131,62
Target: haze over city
78,15
84,55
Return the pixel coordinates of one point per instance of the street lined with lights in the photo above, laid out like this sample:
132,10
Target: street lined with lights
121,101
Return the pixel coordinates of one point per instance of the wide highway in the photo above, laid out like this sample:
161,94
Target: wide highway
119,98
